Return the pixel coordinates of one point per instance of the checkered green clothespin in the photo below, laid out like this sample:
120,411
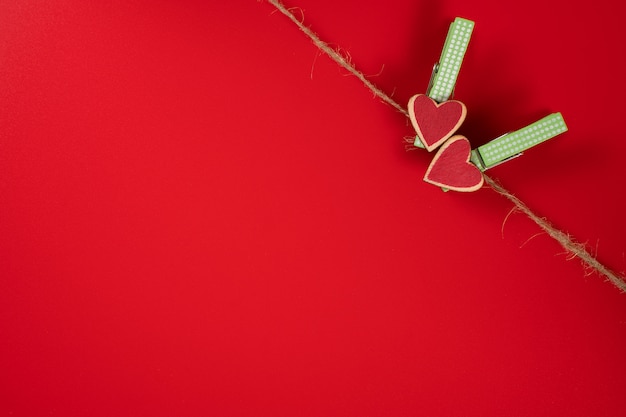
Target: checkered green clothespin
513,144
445,72
447,69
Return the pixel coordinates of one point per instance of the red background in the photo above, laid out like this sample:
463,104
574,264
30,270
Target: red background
200,215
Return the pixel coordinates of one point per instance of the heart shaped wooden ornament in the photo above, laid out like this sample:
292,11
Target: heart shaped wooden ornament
435,122
451,167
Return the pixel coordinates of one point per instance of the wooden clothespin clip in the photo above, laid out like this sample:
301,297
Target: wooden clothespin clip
441,86
446,71
456,167
511,145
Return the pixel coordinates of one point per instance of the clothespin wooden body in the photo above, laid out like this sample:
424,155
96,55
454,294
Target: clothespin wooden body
446,71
511,145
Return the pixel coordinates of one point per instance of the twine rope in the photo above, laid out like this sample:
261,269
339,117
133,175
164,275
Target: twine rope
574,248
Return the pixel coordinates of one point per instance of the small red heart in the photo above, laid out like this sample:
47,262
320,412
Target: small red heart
435,123
451,167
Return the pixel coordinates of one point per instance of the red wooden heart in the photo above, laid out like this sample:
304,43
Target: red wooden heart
451,168
435,123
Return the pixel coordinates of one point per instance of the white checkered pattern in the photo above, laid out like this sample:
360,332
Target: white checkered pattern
509,145
451,59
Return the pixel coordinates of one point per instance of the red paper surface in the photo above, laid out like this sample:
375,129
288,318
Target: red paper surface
200,215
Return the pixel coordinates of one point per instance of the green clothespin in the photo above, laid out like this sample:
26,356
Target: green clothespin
512,144
447,69
445,72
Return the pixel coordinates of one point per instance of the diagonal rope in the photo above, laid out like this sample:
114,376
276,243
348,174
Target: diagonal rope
573,247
